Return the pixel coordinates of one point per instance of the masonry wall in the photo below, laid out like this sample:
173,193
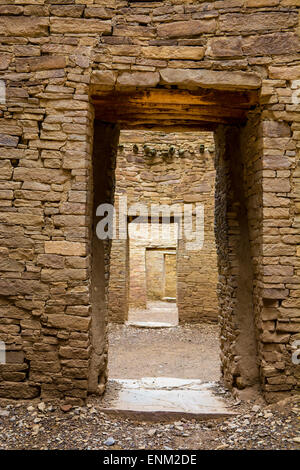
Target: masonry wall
154,274
161,274
53,59
170,284
159,168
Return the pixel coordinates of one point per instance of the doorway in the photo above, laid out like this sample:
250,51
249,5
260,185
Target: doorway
238,365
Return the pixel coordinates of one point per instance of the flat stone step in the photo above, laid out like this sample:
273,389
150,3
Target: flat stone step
150,324
169,299
164,398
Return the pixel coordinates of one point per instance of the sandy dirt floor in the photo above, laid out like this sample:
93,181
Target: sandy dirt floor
157,311
188,352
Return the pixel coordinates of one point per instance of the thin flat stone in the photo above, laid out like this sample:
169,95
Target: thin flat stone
168,398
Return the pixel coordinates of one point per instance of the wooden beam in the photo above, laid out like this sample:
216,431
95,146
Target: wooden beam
184,112
166,127
201,97
168,107
166,117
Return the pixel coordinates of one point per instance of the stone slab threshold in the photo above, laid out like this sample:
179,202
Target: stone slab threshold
165,398
169,299
150,324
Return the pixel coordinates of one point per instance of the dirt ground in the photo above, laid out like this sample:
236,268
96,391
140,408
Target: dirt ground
36,425
187,352
156,311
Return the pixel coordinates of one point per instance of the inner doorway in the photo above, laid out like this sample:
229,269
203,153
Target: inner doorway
152,275
165,271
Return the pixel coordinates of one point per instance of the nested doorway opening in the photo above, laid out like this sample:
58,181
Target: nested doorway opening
161,274
152,275
171,177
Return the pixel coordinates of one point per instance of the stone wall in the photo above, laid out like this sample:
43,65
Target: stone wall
158,168
155,266
56,61
170,288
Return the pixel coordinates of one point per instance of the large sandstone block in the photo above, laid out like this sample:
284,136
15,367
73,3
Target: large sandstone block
23,26
285,73
8,140
278,249
40,63
22,287
276,129
8,264
98,12
69,322
79,25
5,60
268,337
261,3
138,79
74,11
13,312
288,327
210,79
173,52
72,161
273,44
260,21
70,220
45,367
6,169
71,353
275,293
275,162
51,261
65,248
41,175
181,29
280,185
106,78
10,10
72,208
289,312
18,390
224,47
236,46
17,218
134,31
67,274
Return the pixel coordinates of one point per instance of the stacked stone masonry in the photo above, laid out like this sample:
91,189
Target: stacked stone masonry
56,59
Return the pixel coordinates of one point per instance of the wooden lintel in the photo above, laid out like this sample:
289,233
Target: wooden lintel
166,107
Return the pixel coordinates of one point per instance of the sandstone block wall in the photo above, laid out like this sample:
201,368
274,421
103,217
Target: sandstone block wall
170,287
159,168
161,274
55,60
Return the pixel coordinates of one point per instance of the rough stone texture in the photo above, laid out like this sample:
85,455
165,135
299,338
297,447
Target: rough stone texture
169,288
46,176
210,79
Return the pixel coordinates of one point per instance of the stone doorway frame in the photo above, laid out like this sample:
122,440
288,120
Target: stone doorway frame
240,364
